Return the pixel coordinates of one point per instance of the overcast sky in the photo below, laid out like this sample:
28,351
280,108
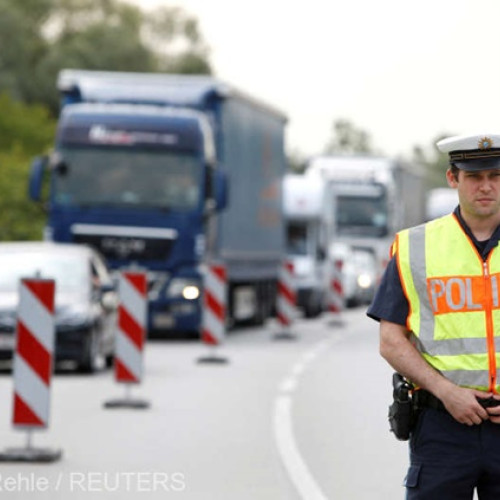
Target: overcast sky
403,71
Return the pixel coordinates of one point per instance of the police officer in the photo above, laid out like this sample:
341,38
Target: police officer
439,310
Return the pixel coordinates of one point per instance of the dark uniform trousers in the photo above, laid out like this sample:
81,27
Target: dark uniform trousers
448,460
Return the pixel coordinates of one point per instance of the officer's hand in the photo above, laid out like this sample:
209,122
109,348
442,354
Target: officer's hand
494,411
463,405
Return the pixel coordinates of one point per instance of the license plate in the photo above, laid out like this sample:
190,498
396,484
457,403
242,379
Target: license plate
163,321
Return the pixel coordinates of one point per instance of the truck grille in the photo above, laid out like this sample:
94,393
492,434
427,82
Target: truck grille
127,243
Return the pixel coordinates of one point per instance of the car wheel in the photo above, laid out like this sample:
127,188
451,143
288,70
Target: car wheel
109,360
91,356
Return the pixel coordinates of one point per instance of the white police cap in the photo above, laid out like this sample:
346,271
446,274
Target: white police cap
472,152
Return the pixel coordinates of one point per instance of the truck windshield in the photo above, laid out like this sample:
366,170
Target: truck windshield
296,238
118,177
362,216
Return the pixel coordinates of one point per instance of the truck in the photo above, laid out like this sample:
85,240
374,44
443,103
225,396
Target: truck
169,173
440,201
307,223
371,198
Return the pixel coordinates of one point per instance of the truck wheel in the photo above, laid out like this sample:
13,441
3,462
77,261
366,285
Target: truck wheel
262,306
313,307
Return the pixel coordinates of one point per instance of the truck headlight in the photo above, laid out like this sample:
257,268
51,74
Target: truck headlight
187,288
191,292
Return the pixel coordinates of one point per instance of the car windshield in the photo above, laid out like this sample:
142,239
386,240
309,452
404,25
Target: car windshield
69,271
118,177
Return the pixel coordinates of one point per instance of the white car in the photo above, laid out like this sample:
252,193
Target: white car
359,272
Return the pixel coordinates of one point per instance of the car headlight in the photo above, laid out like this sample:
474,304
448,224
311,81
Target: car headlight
365,280
187,288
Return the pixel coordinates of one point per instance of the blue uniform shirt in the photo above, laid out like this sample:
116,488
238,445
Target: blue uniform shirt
390,302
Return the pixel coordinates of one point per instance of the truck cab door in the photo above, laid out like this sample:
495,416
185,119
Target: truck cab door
216,191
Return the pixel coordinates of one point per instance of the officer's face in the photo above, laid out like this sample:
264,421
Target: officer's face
478,192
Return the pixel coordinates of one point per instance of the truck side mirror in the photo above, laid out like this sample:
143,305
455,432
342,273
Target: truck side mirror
61,167
220,190
38,167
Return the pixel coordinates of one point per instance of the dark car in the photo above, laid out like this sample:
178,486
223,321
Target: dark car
85,301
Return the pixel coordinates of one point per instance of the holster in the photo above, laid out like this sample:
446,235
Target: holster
402,414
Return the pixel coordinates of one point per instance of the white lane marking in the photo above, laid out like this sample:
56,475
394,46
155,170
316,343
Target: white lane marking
297,469
288,385
298,368
295,466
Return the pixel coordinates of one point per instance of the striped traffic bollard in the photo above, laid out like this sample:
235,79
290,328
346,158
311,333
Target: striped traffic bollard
213,327
130,336
33,367
286,301
336,299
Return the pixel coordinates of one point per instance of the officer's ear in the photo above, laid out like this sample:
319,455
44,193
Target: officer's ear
452,177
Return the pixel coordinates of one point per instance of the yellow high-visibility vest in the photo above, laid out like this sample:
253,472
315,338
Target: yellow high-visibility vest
454,299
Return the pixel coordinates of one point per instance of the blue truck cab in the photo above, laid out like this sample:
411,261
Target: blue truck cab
169,172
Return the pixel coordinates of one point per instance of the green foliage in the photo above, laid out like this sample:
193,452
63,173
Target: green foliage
434,162
20,218
24,132
23,128
296,162
179,44
21,43
348,138
39,38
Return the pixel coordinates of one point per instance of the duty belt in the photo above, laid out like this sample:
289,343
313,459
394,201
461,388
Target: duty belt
424,399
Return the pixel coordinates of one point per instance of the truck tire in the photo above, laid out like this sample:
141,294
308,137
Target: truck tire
313,307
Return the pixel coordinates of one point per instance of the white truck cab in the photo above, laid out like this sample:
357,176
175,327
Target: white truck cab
305,220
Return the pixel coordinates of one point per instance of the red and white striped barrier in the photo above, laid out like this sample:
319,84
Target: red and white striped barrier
130,336
286,305
33,367
213,328
132,316
336,299
33,356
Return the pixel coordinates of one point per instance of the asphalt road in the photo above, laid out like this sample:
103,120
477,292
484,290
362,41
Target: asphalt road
302,418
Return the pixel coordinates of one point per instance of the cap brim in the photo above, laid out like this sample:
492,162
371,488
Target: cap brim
474,165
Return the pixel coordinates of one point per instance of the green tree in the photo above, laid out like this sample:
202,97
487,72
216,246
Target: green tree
348,138
179,45
40,37
434,162
22,44
24,131
296,162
